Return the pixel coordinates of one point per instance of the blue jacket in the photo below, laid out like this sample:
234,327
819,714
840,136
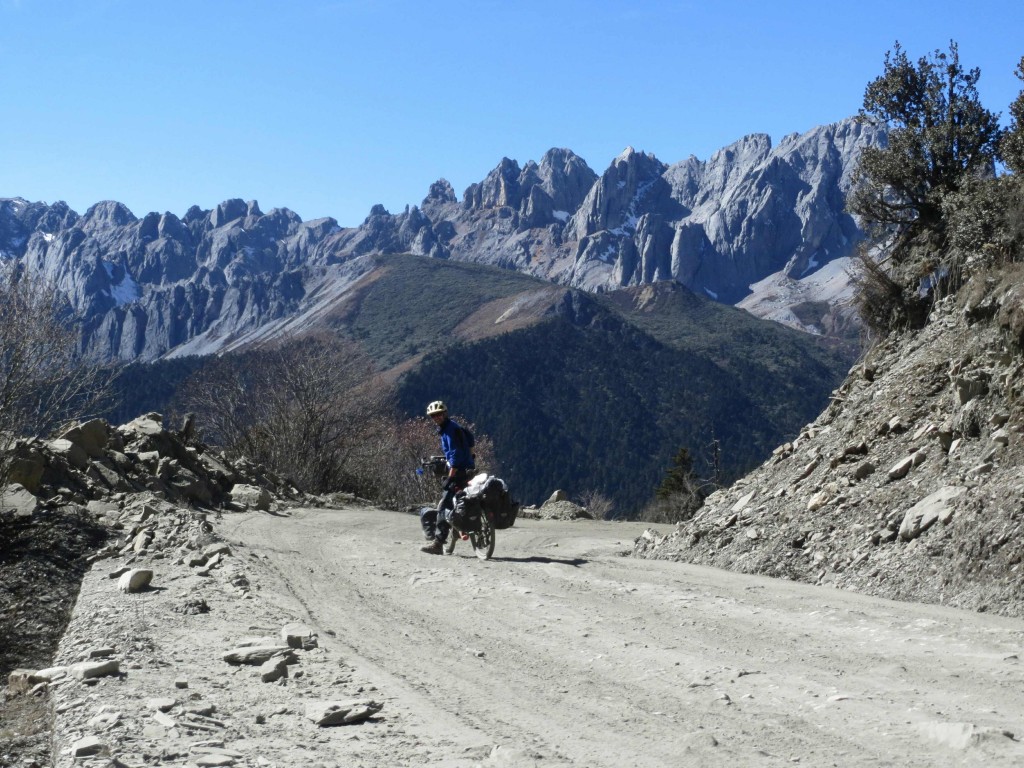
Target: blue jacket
454,445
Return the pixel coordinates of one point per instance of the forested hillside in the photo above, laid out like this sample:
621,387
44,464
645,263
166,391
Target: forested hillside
590,394
587,401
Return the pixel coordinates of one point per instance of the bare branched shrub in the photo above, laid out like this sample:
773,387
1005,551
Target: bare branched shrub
303,408
383,467
597,504
676,508
881,301
315,411
678,505
44,381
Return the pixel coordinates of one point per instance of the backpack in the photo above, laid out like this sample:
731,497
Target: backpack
467,438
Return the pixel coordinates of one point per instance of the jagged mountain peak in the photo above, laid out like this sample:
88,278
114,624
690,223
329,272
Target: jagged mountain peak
441,192
717,226
106,214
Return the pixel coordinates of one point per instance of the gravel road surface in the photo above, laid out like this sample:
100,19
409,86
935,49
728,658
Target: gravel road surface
562,651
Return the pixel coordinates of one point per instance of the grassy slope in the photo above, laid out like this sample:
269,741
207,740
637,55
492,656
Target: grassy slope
413,305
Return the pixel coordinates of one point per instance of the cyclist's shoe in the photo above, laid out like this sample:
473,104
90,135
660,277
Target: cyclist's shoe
435,547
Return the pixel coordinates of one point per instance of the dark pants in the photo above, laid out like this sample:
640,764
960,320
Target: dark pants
435,519
435,526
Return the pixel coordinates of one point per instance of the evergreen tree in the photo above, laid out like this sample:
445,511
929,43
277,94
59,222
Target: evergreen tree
1012,144
679,478
939,138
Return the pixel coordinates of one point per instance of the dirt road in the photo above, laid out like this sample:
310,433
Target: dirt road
560,651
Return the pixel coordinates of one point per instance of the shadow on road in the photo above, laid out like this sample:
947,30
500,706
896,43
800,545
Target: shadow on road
576,562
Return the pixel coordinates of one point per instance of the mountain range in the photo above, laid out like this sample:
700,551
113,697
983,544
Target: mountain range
167,285
591,309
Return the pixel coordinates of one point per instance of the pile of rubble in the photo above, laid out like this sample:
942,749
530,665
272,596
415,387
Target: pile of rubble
557,507
908,486
99,466
111,560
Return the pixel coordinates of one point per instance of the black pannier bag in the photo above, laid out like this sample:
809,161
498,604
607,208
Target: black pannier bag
499,504
467,509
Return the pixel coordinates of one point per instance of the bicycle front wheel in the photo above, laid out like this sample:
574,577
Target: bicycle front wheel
483,540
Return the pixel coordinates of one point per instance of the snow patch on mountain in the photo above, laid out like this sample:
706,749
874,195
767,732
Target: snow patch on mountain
125,290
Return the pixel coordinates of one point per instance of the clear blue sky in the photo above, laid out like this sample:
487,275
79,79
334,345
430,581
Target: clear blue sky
330,106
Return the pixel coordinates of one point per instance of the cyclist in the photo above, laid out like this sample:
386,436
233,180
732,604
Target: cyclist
456,445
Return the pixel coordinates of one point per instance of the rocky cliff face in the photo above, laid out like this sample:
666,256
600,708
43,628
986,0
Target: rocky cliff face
908,486
146,286
750,211
154,285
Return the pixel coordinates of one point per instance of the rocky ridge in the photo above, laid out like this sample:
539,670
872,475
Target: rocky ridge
717,226
908,485
160,284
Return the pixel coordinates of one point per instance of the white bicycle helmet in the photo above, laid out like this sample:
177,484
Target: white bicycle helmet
436,407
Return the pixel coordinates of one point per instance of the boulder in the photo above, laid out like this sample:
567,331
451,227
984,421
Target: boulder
299,636
109,475
49,674
135,580
88,669
189,486
213,755
16,499
327,713
251,496
100,508
743,501
212,761
151,424
557,496
27,466
968,388
928,511
88,746
257,655
901,468
141,541
863,470
818,500
273,669
162,704
92,436
218,470
73,453
221,548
